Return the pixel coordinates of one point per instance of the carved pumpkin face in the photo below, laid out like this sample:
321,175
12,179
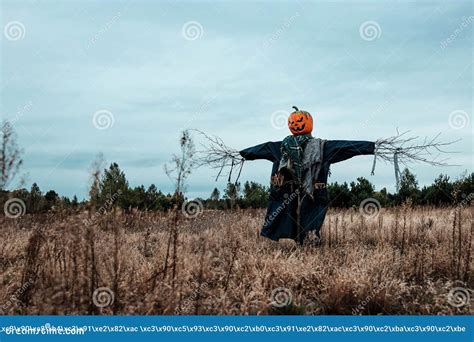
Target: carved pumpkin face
300,122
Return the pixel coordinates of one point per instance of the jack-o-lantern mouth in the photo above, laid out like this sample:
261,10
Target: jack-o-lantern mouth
299,129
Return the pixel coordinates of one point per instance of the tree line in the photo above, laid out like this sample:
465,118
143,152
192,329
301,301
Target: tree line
442,192
111,188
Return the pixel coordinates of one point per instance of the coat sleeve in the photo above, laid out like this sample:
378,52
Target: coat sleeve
339,150
269,151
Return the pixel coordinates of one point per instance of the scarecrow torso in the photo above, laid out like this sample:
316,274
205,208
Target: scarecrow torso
280,219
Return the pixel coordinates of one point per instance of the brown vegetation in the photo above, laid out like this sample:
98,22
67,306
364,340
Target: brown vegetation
404,261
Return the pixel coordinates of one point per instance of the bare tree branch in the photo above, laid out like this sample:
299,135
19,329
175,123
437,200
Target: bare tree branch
182,165
10,155
215,154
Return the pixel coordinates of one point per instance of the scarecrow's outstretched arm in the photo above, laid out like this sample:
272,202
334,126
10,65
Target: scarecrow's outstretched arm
339,150
269,151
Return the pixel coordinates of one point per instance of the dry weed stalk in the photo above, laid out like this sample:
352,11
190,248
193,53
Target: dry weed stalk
68,262
32,264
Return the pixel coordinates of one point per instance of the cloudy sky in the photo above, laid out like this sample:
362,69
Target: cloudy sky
124,78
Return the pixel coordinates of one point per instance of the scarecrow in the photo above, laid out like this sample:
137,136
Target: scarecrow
298,199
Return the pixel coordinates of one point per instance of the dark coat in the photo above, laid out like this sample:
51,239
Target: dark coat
280,220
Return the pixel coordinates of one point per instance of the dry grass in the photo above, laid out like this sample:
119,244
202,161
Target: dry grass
402,262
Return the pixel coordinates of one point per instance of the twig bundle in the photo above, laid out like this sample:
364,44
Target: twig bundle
408,151
215,154
402,149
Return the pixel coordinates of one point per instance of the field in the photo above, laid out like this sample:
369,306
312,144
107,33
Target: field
403,261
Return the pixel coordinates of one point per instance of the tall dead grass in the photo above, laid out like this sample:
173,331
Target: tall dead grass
405,261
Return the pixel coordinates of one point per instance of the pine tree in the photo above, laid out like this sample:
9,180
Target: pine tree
232,194
74,202
408,187
113,188
215,195
361,190
35,199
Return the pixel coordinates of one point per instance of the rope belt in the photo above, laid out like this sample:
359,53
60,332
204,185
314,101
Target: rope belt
279,181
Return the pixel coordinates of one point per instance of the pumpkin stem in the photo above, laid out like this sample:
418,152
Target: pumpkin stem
296,108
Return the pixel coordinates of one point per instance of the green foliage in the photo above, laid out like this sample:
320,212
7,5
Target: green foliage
35,202
232,194
51,197
114,190
74,202
443,192
214,201
340,195
440,193
254,195
361,190
408,188
383,197
463,189
215,195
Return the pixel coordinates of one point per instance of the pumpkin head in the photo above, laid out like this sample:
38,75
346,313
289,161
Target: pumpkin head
300,122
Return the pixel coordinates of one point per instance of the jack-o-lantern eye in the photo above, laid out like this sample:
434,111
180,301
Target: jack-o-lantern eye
300,122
